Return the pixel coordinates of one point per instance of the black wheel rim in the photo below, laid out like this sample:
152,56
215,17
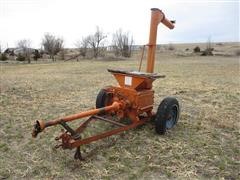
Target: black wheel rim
172,117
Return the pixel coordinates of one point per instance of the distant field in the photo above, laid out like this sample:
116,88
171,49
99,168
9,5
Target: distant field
204,144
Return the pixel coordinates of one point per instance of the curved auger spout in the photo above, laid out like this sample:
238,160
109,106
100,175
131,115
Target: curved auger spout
157,17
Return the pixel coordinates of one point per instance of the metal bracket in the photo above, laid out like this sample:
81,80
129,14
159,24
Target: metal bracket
73,133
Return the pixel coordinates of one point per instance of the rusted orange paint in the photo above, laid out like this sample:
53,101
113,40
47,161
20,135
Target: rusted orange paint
156,17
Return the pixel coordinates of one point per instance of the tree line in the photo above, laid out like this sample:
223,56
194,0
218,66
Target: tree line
91,46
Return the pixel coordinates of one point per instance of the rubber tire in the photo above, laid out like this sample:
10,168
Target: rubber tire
169,107
101,98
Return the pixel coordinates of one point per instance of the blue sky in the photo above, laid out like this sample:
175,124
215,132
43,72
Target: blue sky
196,21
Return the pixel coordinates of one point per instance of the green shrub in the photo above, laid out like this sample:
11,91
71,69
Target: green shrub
197,49
208,52
3,57
36,55
20,57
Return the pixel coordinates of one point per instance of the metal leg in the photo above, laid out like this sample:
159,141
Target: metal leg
78,154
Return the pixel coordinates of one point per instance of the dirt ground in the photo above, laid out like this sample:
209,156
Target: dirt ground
204,144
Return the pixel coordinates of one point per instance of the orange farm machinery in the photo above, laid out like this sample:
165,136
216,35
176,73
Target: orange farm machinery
133,99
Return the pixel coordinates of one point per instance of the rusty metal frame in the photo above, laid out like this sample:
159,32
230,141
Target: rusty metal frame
79,142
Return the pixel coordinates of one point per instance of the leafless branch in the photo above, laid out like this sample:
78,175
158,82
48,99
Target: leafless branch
52,45
24,47
122,43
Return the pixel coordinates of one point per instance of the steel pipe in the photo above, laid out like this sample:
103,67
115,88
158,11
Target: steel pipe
40,125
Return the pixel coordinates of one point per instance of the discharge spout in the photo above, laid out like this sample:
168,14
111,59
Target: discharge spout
157,17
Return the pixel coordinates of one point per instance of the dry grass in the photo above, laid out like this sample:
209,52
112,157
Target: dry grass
204,144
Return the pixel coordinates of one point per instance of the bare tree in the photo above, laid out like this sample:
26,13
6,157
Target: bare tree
82,46
96,42
209,49
62,54
25,50
52,45
209,43
122,43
